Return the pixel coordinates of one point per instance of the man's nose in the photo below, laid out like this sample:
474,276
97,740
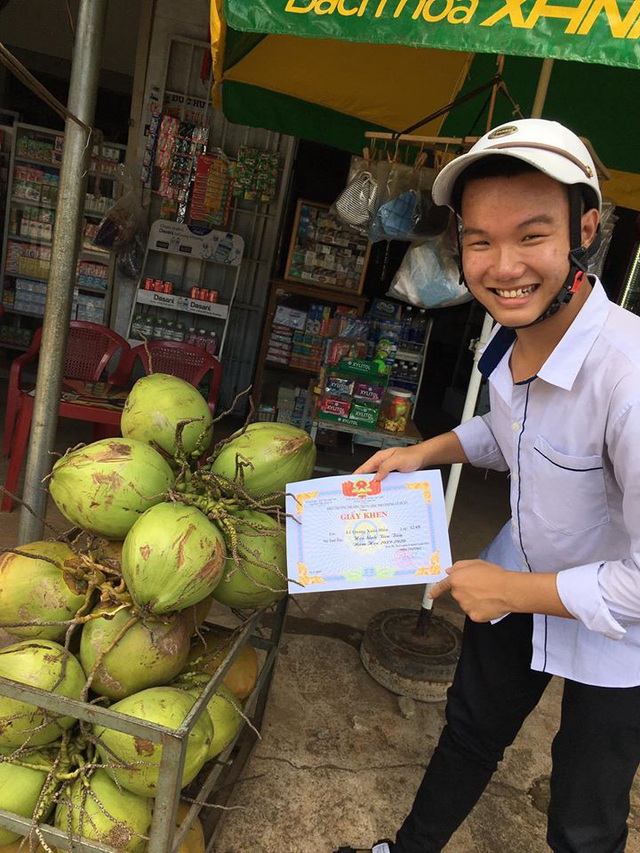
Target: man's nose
507,264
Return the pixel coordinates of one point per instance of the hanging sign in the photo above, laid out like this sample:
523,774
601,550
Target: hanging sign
599,31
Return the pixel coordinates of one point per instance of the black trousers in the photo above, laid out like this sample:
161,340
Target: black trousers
595,753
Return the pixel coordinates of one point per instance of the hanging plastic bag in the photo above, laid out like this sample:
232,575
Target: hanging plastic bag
131,258
429,276
356,203
124,219
405,205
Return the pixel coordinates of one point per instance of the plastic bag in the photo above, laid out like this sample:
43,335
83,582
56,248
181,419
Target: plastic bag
429,276
131,258
124,219
356,203
405,205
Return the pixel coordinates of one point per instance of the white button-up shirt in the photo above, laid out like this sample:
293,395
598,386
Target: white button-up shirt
571,439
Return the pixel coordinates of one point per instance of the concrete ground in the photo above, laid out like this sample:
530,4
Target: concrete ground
340,756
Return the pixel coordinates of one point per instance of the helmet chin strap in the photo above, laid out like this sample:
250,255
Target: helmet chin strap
572,284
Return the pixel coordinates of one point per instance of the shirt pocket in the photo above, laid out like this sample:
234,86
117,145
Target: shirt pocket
569,492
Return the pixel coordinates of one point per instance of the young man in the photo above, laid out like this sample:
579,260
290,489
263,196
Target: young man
558,592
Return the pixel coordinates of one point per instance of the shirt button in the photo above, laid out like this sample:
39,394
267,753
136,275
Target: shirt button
515,426
514,524
514,476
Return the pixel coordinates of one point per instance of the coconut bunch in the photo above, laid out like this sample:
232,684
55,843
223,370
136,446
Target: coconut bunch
114,615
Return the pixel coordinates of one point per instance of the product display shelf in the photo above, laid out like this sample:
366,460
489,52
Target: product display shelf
34,176
284,295
214,784
187,287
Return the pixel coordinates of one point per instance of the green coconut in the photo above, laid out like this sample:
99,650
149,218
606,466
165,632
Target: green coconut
224,709
210,647
98,810
270,454
259,577
140,758
48,666
36,588
155,407
105,486
151,650
172,558
26,784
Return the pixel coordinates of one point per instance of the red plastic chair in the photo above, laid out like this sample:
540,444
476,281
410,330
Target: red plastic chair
183,360
91,350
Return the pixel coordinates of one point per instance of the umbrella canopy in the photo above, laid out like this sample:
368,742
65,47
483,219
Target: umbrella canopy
311,68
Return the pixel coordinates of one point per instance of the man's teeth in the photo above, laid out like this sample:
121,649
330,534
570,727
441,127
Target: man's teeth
515,294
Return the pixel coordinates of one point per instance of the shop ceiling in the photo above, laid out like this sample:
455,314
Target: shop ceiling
330,70
47,28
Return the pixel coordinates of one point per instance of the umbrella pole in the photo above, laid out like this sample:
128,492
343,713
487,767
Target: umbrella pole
543,86
473,389
83,92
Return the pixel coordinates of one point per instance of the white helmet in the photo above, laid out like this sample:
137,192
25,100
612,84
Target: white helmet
546,145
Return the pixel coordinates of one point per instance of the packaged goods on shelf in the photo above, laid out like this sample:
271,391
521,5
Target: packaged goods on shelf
212,190
351,393
256,175
292,406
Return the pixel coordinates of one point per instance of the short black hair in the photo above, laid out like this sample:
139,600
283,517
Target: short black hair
493,166
504,166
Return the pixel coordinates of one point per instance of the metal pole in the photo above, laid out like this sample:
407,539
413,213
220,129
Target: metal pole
543,86
83,91
473,389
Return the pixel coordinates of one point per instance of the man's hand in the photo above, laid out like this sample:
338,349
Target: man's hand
486,591
444,449
383,462
478,587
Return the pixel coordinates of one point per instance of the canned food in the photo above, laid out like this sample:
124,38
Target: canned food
148,284
193,293
395,410
213,296
167,287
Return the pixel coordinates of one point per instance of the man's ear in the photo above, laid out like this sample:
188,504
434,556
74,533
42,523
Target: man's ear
589,226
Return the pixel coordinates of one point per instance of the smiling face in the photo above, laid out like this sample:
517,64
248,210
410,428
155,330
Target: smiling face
515,243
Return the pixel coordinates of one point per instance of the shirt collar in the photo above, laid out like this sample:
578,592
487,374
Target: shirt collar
564,363
562,366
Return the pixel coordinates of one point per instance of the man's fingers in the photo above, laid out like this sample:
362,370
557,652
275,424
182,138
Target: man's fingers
374,464
439,588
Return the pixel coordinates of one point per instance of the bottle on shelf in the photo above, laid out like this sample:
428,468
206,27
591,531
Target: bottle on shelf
419,328
145,327
155,328
190,337
179,331
137,325
212,343
223,249
407,319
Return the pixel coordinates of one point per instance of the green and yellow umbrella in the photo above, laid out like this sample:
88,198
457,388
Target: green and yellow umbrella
330,70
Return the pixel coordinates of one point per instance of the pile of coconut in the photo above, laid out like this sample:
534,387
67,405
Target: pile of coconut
113,613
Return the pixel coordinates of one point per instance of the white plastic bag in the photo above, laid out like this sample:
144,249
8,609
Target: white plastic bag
429,276
405,206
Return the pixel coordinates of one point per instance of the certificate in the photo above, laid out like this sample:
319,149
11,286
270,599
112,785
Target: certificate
357,532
